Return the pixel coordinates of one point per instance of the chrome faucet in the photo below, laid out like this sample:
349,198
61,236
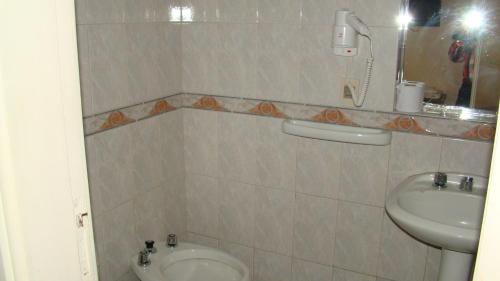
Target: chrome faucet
150,246
440,180
466,184
172,241
143,258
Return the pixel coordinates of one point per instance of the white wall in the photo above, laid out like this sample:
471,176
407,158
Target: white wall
281,50
307,209
136,175
129,53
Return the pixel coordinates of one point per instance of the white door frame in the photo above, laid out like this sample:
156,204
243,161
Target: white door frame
43,174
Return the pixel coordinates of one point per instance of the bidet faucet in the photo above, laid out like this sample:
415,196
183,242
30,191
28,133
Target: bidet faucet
440,180
143,258
172,240
466,183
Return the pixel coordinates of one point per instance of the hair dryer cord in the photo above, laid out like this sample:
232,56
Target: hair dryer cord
358,98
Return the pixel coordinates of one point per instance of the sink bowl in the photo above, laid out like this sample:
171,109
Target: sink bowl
449,218
191,262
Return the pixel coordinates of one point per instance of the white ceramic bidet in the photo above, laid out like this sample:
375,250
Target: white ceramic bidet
190,262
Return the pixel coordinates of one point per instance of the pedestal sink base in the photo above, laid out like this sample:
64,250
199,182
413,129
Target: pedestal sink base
455,266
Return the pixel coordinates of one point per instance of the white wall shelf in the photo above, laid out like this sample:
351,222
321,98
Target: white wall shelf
339,133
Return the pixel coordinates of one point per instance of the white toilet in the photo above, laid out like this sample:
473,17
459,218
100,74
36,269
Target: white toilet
190,262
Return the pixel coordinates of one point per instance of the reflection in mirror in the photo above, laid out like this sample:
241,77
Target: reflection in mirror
453,48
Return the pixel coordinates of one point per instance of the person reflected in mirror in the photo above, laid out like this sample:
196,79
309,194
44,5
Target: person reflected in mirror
461,50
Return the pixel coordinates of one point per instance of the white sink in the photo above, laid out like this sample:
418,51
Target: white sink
191,262
448,218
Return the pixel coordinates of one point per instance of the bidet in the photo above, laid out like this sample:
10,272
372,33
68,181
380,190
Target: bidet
188,262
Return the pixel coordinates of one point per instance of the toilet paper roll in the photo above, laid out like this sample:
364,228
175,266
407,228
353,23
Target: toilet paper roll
410,96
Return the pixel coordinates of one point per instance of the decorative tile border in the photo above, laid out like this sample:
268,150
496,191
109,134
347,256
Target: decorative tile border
416,124
123,116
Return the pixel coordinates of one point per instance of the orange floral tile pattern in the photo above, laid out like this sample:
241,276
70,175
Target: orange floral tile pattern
333,116
115,119
406,124
481,132
161,106
208,103
267,109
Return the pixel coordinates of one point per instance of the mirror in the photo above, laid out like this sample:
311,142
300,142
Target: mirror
453,47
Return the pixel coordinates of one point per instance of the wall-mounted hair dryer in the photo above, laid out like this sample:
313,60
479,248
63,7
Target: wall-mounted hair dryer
345,43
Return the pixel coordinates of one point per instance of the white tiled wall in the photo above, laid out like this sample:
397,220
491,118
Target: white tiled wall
137,191
300,209
129,52
290,208
281,50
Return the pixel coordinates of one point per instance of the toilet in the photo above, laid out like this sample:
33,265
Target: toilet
190,262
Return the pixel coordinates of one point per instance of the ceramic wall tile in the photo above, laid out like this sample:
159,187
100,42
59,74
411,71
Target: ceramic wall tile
382,84
199,68
236,60
201,10
166,10
432,264
115,241
321,72
141,10
109,78
357,237
81,11
401,256
203,201
271,267
84,69
410,155
345,275
319,12
374,13
175,203
200,142
279,11
464,156
171,139
147,154
314,230
202,240
237,147
149,60
169,59
237,11
150,214
237,212
274,220
243,253
105,11
111,171
318,167
308,271
276,155
278,62
363,175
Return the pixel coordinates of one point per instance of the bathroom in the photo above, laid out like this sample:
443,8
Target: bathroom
290,208
183,104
